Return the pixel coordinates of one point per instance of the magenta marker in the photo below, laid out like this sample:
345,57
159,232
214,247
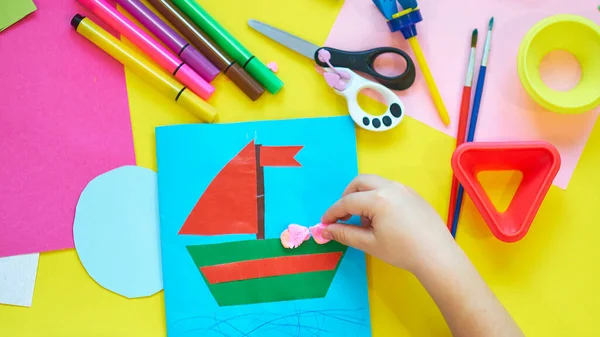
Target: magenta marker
162,56
171,38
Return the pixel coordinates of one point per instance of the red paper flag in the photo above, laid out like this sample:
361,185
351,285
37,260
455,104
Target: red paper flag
279,155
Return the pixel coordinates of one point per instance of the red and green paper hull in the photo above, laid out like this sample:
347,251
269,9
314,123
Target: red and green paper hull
260,271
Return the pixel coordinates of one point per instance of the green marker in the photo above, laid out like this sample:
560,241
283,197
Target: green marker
230,45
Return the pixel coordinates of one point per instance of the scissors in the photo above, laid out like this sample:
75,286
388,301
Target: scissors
338,65
361,61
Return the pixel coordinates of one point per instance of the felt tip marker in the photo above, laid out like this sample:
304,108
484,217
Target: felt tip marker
171,39
230,45
163,57
214,53
143,68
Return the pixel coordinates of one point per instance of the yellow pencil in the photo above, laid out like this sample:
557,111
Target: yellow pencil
405,21
144,68
433,89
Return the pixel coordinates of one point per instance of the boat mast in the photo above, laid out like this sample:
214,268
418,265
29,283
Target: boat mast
260,194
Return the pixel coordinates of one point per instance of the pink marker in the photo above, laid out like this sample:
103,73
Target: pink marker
148,45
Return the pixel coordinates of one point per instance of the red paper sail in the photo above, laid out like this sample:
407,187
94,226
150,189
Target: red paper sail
229,204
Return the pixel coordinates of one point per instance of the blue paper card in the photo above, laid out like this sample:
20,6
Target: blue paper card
226,193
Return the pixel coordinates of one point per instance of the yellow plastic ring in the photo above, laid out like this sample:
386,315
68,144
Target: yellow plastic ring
576,35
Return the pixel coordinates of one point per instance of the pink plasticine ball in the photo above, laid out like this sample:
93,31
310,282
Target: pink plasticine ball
294,236
317,233
273,66
286,242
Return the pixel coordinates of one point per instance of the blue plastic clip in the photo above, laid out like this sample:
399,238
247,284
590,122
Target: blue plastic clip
406,23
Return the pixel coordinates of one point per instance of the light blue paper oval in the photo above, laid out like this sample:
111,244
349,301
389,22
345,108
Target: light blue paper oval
116,231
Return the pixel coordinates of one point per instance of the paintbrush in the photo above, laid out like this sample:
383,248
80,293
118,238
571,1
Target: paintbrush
474,115
462,122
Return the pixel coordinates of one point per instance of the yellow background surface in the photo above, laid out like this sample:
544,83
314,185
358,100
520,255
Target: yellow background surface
549,281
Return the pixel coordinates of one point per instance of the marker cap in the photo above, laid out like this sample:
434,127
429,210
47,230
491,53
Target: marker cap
193,81
245,82
200,108
264,75
199,63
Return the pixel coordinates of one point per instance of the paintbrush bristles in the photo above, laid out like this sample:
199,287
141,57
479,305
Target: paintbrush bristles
486,48
474,38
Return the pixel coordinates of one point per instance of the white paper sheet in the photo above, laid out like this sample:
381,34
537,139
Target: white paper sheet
17,279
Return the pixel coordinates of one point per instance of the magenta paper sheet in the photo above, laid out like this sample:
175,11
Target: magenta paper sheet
64,119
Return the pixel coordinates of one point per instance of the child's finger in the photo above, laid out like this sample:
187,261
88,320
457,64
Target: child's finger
365,182
345,218
364,221
359,203
354,236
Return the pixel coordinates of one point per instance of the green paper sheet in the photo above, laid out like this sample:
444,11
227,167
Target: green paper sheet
11,11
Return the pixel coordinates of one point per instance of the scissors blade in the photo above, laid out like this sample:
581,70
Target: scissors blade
292,42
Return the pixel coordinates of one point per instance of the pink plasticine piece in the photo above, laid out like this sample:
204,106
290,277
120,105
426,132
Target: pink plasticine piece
332,79
335,81
273,66
317,233
294,236
285,239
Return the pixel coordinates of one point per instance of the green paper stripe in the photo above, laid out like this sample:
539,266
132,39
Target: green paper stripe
220,253
273,289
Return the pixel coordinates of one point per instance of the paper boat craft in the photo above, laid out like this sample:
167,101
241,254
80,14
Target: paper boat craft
260,270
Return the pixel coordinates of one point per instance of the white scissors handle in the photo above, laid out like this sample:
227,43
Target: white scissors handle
390,119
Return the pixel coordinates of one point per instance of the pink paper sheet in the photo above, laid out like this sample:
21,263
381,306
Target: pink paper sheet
507,112
64,119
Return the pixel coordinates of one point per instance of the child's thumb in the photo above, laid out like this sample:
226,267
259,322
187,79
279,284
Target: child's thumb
349,235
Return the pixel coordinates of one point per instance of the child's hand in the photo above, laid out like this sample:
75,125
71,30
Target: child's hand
401,228
398,226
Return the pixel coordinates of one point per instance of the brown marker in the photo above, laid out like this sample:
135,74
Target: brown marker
206,46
